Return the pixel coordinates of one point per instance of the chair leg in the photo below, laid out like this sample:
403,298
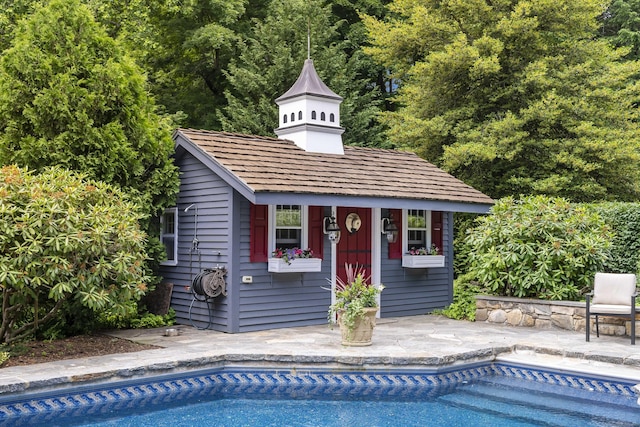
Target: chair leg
597,327
633,320
588,319
587,328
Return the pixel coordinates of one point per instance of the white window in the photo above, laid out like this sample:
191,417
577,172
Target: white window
417,229
169,235
289,226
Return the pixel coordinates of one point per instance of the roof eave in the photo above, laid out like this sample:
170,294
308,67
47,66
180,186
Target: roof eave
276,198
216,167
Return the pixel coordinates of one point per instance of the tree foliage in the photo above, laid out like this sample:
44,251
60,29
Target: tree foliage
70,96
624,220
538,247
514,96
65,239
193,43
271,58
12,11
621,24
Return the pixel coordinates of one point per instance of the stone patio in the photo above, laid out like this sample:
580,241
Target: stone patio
418,342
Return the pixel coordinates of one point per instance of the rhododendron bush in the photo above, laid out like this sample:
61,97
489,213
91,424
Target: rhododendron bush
65,239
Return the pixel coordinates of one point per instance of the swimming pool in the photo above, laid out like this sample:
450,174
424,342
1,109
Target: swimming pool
483,394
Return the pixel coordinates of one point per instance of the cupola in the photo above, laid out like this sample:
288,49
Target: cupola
310,114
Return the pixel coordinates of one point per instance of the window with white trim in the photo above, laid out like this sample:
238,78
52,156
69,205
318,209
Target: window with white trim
169,235
418,229
289,226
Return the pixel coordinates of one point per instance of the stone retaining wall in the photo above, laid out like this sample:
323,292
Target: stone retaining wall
546,314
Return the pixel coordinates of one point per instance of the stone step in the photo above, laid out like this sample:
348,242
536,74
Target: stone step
530,405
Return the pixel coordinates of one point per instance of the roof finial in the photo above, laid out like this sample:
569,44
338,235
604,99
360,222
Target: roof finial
308,38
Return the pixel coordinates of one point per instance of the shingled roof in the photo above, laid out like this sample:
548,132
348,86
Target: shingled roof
266,164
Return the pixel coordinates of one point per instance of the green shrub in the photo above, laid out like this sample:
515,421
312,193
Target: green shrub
538,247
462,223
4,356
135,319
65,242
463,306
624,221
150,320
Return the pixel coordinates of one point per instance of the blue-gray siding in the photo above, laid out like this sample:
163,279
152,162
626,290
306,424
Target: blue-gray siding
276,300
212,197
273,300
415,291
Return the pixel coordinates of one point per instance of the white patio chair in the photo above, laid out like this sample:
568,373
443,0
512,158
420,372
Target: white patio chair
614,294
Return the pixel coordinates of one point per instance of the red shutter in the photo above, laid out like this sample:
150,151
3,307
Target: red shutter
316,236
396,249
259,233
436,229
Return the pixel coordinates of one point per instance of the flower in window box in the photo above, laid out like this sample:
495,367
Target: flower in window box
289,254
434,250
419,251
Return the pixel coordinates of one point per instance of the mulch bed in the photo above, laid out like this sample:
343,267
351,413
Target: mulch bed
31,352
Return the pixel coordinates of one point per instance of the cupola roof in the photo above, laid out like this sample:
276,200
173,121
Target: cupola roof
309,83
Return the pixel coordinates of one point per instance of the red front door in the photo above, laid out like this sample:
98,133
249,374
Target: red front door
355,245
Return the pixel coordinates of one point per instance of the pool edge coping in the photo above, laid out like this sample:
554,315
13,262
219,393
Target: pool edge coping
11,384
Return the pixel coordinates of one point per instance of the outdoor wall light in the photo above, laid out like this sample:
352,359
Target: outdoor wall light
390,229
330,227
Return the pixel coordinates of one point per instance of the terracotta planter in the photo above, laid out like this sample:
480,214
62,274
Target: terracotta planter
362,331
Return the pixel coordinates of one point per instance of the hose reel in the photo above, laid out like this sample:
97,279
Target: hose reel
205,286
210,282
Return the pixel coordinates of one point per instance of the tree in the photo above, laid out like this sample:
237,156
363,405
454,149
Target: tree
513,96
271,59
192,44
621,24
348,13
65,239
69,96
11,11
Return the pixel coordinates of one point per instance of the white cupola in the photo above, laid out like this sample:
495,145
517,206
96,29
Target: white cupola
310,114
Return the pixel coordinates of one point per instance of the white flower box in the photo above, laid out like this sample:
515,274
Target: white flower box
297,265
422,261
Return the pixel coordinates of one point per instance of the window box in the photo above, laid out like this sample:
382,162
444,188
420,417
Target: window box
422,261
297,265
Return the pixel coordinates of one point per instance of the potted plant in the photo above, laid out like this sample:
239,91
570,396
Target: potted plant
423,258
293,260
355,307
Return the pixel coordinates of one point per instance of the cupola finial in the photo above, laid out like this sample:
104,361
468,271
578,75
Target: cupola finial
308,38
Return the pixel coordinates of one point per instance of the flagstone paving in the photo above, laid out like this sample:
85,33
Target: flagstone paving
417,342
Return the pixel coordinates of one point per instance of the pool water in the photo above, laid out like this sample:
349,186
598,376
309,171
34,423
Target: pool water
473,397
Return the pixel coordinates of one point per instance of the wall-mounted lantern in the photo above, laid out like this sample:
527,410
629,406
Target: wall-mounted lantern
330,227
390,229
